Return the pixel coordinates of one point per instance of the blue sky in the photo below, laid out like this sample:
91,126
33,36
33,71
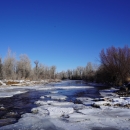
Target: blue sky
65,33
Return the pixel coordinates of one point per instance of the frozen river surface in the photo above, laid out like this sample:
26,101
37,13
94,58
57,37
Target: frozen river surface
65,105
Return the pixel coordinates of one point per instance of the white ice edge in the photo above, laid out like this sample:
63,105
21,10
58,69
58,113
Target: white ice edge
64,87
10,94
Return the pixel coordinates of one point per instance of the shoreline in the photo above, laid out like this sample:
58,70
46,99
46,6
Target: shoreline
22,83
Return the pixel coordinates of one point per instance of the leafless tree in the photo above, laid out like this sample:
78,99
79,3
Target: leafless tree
79,72
1,69
86,73
36,72
24,67
89,72
41,72
52,72
69,74
116,61
9,66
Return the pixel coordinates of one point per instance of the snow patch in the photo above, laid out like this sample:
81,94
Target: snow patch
6,94
57,97
55,103
77,117
40,110
42,97
41,103
58,112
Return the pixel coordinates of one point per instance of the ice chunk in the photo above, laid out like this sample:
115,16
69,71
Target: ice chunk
48,96
54,92
89,111
77,117
117,100
42,97
78,106
84,99
55,103
40,110
59,97
101,103
32,122
41,103
11,93
57,111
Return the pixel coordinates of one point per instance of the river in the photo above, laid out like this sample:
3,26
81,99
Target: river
11,108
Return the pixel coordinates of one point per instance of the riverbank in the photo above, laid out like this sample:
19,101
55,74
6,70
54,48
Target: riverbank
7,83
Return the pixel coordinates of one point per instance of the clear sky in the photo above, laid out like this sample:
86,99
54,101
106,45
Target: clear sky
65,33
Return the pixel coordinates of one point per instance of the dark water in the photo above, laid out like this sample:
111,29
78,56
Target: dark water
17,105
12,108
107,128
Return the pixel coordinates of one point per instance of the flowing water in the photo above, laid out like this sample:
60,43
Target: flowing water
12,108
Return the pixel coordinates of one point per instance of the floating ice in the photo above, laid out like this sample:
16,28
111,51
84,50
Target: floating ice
42,97
57,111
54,91
56,97
40,110
102,103
59,97
77,117
32,122
89,111
55,103
41,103
10,93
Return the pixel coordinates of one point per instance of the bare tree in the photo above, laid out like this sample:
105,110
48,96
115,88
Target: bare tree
86,73
9,66
69,74
116,61
1,69
24,67
52,72
36,69
21,69
89,72
80,72
41,72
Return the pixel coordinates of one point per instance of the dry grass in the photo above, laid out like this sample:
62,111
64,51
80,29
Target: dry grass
11,82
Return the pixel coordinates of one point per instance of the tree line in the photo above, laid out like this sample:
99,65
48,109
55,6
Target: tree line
115,65
11,68
80,73
114,68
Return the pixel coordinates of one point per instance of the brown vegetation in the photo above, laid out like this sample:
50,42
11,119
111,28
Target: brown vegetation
11,82
116,64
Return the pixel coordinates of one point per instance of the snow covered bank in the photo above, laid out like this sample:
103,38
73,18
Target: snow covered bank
26,82
10,93
55,112
86,119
